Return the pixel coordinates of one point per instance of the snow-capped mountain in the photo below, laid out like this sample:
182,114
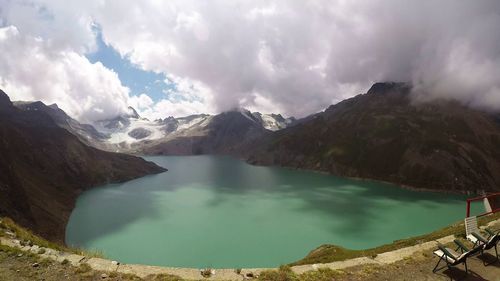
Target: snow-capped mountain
273,122
131,130
200,133
218,134
172,124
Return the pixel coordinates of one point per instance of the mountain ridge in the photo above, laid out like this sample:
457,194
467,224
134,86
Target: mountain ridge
85,132
131,133
384,135
381,135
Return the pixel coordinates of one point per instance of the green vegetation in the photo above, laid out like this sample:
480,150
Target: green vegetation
16,264
285,273
44,262
321,274
331,253
29,238
125,276
12,251
83,268
166,277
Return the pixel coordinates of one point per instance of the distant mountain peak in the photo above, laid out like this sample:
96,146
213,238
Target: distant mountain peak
383,135
4,99
242,110
132,113
385,87
54,106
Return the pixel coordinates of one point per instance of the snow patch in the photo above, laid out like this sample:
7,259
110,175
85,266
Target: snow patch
122,134
189,123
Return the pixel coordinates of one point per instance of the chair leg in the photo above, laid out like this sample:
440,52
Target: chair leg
482,255
436,269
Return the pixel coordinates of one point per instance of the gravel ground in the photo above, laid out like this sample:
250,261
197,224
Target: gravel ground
420,268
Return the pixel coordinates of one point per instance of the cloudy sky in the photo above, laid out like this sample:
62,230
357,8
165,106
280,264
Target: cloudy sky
178,57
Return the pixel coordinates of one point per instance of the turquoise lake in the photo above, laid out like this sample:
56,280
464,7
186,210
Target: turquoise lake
219,212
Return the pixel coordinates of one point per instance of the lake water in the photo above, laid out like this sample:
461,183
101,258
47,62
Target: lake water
219,212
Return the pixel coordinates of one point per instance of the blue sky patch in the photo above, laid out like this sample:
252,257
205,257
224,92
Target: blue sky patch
137,80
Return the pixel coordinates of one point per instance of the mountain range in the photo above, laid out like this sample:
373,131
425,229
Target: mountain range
48,158
382,135
194,134
44,165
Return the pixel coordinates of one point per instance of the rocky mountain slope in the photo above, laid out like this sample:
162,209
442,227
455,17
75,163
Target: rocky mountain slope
85,132
43,168
383,135
220,134
194,134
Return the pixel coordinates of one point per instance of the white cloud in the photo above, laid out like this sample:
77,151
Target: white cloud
299,56
62,26
303,55
260,103
227,59
165,108
188,97
31,70
140,102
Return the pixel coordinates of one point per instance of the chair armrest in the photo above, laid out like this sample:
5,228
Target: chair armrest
461,246
479,237
443,256
491,232
446,252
